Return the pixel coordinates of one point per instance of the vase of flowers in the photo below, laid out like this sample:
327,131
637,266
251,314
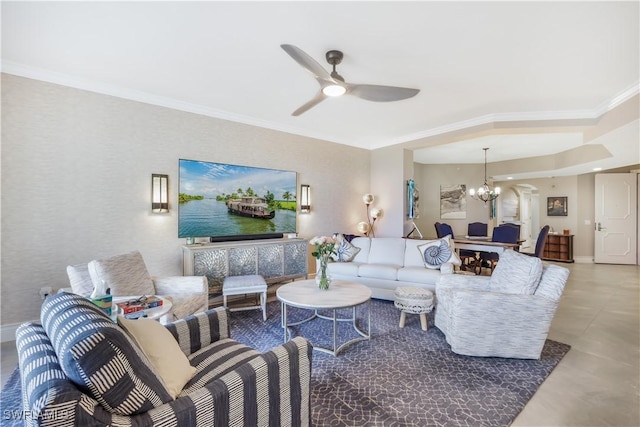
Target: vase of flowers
325,247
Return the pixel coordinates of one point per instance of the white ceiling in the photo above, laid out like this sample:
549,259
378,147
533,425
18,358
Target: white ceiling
474,62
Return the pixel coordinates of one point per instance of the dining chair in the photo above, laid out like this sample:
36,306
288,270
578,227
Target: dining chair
443,229
477,229
468,258
502,234
510,224
542,237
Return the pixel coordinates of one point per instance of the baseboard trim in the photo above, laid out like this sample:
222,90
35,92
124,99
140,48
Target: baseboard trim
583,259
8,332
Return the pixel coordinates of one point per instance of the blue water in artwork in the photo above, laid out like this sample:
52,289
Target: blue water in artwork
209,217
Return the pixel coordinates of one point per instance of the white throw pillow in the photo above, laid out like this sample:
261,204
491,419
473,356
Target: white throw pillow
516,273
345,251
437,252
162,350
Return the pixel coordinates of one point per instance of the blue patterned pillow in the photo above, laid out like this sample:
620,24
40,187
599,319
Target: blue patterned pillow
345,251
99,357
437,252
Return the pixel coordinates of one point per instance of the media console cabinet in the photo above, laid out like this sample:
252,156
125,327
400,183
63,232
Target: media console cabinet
276,260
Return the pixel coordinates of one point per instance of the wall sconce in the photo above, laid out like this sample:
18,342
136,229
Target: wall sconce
159,193
305,198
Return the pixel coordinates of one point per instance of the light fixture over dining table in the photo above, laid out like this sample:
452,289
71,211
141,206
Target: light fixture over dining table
485,193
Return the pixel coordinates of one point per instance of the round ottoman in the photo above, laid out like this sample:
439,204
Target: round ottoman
413,301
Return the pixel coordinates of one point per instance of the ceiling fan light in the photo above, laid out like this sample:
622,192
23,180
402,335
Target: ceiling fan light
334,90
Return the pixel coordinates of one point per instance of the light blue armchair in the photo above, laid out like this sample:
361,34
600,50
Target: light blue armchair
506,315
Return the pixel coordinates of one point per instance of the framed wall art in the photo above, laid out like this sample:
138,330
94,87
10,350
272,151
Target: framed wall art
453,201
557,206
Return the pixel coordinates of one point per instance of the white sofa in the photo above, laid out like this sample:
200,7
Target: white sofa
384,263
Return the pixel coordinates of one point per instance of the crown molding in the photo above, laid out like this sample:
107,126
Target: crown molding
35,73
488,119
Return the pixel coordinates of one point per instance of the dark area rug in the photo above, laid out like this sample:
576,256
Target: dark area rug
401,377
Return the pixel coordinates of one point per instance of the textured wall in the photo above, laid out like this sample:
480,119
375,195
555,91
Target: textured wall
76,173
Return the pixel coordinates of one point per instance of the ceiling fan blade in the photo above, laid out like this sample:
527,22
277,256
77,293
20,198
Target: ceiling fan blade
381,93
310,104
307,62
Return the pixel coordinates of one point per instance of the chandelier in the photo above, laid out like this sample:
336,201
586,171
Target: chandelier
485,193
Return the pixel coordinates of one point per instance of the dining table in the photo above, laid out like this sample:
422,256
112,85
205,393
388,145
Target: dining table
484,244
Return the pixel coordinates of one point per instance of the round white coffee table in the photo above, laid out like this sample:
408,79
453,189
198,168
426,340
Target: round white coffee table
148,313
305,294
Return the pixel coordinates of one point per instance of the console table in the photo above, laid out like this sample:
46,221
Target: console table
558,247
274,259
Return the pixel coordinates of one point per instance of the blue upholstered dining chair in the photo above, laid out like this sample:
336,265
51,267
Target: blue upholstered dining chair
477,229
468,258
542,237
503,234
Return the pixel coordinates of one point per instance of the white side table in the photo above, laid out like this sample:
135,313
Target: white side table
156,313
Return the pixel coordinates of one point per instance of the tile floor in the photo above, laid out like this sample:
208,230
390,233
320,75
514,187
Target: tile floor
598,381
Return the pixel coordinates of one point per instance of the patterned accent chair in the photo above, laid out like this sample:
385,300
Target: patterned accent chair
127,275
79,368
506,315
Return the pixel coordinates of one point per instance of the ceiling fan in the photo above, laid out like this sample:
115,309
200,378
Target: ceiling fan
334,85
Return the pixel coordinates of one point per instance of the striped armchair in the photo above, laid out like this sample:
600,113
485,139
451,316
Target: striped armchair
80,368
506,315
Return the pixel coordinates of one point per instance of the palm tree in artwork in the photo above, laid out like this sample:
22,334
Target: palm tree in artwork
286,196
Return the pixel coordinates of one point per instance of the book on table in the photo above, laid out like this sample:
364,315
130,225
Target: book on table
139,304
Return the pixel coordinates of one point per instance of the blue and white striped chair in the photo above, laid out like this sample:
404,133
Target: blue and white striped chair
79,368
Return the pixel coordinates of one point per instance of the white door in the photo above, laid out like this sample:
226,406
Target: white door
615,221
525,220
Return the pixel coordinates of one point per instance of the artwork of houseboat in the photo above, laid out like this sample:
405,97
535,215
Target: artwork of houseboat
252,207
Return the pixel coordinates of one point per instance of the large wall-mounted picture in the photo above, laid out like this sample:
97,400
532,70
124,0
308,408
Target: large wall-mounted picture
557,206
453,201
229,201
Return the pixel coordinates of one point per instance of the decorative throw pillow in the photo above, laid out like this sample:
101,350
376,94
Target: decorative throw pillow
162,350
345,251
437,252
516,273
100,358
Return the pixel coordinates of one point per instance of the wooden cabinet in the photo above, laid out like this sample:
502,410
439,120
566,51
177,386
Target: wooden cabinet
274,259
558,247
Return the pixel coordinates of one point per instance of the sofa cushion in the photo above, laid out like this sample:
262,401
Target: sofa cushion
80,279
379,271
99,357
412,255
364,243
437,252
516,273
387,250
162,350
344,268
345,251
420,275
125,274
